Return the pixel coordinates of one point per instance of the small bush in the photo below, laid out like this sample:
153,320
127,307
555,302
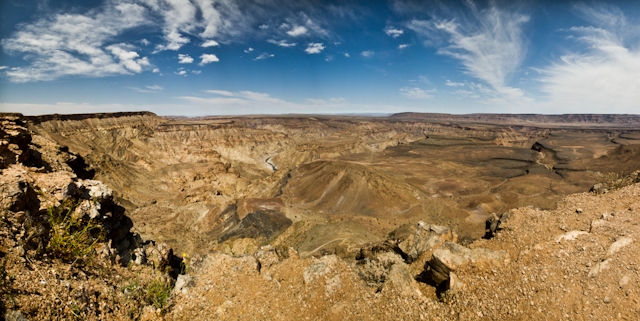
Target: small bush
157,292
72,239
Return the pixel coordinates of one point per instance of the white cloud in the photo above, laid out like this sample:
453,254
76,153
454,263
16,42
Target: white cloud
210,43
202,18
264,55
3,67
314,48
415,93
332,101
367,53
489,44
302,25
602,75
181,72
453,84
403,46
248,50
156,70
141,90
208,58
328,58
466,93
75,45
196,72
346,54
236,98
148,89
155,87
297,31
393,32
184,59
264,27
221,92
282,43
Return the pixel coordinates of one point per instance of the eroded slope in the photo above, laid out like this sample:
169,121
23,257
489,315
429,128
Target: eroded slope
332,183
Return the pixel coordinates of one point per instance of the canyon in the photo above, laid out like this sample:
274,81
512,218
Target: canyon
337,182
354,206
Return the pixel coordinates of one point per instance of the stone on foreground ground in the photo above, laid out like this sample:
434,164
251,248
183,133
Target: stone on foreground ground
589,276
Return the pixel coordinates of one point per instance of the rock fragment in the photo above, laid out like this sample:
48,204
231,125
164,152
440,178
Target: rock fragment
570,236
619,244
453,256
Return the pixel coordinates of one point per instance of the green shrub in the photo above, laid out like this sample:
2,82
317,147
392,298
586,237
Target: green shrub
72,239
157,292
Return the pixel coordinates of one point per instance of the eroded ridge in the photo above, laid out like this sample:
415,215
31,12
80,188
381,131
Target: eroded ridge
327,217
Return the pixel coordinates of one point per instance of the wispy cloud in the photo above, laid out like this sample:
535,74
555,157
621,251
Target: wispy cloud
208,58
282,43
300,24
147,89
76,44
210,43
248,50
393,32
264,55
403,46
314,48
155,87
416,93
367,53
223,97
203,18
489,43
602,74
184,59
453,84
181,72
333,100
221,92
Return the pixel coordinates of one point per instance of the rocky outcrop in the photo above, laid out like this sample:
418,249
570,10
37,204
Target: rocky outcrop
65,242
14,140
452,257
426,238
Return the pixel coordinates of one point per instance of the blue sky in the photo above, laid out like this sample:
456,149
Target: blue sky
220,57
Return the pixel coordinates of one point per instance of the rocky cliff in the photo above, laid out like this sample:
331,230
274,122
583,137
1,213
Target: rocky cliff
325,217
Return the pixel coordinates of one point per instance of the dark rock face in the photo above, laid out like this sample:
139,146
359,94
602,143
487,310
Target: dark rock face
262,223
14,140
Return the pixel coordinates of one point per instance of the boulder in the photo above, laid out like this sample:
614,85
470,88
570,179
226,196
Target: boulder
598,188
183,282
400,278
425,238
452,257
89,189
